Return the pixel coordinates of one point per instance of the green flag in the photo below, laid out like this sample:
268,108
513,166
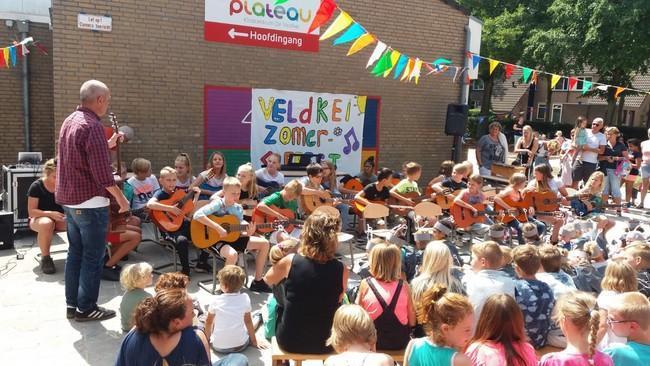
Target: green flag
527,73
383,64
586,86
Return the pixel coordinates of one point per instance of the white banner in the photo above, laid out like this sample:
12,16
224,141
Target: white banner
329,126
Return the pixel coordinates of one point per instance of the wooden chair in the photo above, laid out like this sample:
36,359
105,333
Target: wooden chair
278,356
375,211
428,209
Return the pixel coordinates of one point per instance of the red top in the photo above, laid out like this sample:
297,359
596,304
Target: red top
84,169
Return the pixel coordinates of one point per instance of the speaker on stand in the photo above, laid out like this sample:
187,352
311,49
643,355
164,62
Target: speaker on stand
16,181
455,125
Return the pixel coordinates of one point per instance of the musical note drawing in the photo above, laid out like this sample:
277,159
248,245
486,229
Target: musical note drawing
351,146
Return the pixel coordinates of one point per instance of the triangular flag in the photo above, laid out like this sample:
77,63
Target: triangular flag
2,57
554,80
572,82
324,13
459,72
416,71
12,54
602,87
407,70
619,90
340,23
493,65
526,74
382,65
393,61
361,43
401,63
586,86
5,54
441,61
376,54
430,68
355,31
41,48
509,70
476,59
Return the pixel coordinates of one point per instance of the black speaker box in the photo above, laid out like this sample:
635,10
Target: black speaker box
456,119
6,230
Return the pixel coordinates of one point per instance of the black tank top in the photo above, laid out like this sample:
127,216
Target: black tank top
312,292
524,156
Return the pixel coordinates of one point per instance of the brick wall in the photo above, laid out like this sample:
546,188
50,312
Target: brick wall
156,63
11,98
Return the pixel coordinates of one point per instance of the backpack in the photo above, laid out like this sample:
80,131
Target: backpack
391,334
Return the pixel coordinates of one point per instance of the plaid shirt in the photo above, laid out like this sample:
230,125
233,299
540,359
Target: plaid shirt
83,170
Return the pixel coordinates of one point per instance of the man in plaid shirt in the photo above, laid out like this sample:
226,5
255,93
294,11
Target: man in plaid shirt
84,178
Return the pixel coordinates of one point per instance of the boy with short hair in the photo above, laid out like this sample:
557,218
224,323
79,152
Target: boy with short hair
485,279
181,237
454,182
287,198
409,184
638,256
630,318
144,186
227,205
535,298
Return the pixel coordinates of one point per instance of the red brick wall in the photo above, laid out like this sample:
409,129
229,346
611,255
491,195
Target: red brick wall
156,63
41,102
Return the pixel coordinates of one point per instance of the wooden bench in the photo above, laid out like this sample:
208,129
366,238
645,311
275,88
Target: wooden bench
278,356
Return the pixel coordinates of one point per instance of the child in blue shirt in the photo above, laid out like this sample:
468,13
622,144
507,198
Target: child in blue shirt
630,318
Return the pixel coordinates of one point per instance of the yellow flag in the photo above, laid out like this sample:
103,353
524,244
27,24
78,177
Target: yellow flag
493,65
340,23
393,61
5,54
554,80
619,90
361,43
416,71
407,70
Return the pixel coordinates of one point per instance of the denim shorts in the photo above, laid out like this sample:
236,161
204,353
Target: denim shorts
645,171
612,184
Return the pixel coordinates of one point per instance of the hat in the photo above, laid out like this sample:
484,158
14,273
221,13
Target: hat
442,228
497,232
568,230
634,236
529,231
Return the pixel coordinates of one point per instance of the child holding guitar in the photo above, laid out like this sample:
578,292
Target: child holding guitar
228,206
469,208
210,181
517,210
589,199
277,206
448,188
337,189
181,236
377,192
408,187
184,177
249,190
544,188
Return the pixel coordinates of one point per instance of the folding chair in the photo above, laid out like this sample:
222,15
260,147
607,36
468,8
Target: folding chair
375,211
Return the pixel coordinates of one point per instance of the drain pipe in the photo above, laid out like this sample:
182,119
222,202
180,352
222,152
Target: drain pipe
23,29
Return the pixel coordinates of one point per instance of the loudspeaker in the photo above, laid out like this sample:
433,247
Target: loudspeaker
456,119
6,230
16,180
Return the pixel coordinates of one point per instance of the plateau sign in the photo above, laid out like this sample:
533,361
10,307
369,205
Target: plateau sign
261,23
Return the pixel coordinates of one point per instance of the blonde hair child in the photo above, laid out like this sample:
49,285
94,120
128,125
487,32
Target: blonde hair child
133,278
448,319
620,277
183,167
354,338
576,313
631,319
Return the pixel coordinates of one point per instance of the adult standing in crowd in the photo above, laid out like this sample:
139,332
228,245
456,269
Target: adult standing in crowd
587,160
490,149
645,169
526,148
84,175
615,151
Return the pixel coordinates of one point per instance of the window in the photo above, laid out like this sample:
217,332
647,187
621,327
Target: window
562,85
579,85
541,111
478,84
475,104
557,113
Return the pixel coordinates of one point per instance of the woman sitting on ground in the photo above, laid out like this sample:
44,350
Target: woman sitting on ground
314,287
45,216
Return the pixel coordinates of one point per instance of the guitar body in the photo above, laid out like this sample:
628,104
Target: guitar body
311,202
546,201
445,202
360,207
260,218
464,218
520,206
168,221
204,237
353,184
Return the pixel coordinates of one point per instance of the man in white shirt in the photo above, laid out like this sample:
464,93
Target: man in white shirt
269,179
587,161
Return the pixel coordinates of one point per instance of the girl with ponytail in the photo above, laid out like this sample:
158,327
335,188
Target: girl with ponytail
448,319
576,313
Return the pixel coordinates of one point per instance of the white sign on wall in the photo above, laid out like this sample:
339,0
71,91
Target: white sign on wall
100,23
325,125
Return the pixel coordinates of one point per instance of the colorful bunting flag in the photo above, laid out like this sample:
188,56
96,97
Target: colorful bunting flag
376,54
340,23
416,71
572,82
430,68
382,65
5,53
476,59
527,73
393,61
554,80
509,69
401,64
602,87
361,43
2,58
407,70
619,90
324,13
12,54
353,33
441,61
493,65
586,86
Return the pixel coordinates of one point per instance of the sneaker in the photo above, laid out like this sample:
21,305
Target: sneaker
111,273
47,265
203,267
69,312
259,286
96,313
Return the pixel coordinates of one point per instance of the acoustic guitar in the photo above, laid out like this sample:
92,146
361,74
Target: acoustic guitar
260,218
353,184
312,202
204,237
464,217
167,220
520,211
445,202
547,201
117,219
360,206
